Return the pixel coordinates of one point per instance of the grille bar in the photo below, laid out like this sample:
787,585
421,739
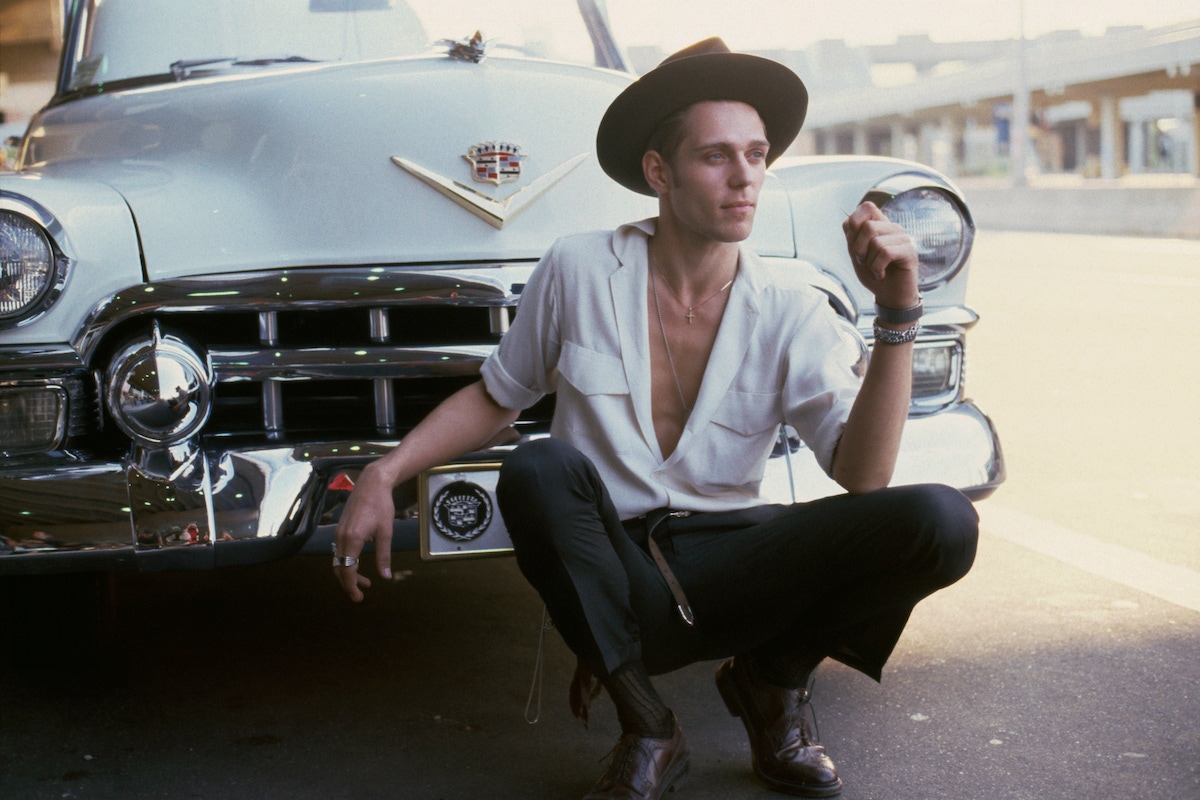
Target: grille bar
348,363
272,392
385,410
480,286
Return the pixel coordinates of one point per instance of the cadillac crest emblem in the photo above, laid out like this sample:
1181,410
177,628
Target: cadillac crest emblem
461,511
495,162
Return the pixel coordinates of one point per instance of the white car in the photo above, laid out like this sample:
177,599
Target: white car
249,243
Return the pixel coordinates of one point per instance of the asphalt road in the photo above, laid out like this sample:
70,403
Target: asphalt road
1066,665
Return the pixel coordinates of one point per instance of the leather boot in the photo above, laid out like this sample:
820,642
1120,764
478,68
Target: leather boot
786,755
642,768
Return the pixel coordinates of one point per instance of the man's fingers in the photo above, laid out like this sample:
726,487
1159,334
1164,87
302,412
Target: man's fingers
866,210
877,245
346,544
352,582
891,249
862,236
383,550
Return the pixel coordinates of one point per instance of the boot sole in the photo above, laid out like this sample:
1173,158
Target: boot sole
677,775
674,776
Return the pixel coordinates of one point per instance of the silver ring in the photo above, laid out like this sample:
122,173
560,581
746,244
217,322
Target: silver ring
343,561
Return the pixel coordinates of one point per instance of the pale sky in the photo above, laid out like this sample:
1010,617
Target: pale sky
755,24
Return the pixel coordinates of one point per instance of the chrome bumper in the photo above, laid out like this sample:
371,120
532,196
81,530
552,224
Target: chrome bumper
258,504
957,446
243,507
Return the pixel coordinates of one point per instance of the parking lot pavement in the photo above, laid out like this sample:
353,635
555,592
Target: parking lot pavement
1028,679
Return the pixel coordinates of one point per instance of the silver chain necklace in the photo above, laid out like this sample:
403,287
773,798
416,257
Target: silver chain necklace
658,308
691,310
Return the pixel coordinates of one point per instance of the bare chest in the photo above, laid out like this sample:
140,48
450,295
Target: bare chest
679,353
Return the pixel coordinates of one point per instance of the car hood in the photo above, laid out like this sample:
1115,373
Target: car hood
322,164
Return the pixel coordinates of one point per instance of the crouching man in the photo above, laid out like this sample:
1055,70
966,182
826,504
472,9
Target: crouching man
675,357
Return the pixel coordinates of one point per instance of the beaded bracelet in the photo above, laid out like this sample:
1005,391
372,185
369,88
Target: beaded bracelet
889,336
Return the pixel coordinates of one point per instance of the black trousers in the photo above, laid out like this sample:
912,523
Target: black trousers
837,576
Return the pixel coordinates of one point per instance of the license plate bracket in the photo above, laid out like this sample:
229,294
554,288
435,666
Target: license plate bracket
459,514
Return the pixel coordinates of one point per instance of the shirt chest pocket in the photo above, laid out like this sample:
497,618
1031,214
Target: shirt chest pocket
749,414
593,396
591,372
738,440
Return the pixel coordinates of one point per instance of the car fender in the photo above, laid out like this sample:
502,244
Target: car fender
91,225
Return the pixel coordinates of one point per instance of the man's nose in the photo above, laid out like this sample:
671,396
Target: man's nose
742,173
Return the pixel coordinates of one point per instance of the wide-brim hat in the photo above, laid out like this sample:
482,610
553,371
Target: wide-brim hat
707,70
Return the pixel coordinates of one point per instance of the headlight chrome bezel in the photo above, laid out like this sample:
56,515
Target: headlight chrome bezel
47,229
911,187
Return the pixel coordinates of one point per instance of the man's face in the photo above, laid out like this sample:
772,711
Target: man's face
715,175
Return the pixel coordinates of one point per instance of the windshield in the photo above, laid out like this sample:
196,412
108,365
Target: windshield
128,39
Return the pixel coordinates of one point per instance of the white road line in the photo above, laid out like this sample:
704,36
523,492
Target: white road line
1131,568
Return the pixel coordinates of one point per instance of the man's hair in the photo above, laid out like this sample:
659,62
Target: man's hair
669,134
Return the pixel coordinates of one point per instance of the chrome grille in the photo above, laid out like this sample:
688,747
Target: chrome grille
337,352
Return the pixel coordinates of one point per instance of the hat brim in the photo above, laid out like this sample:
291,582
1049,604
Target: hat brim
772,89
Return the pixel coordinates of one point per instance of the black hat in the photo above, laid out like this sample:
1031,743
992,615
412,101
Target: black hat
706,70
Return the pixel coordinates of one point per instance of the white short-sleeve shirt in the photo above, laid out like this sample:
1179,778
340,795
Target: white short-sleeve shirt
582,330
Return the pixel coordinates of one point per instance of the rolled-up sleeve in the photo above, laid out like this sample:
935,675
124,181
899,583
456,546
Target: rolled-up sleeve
521,370
820,386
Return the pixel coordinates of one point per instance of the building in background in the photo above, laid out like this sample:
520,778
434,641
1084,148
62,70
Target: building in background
1125,103
30,46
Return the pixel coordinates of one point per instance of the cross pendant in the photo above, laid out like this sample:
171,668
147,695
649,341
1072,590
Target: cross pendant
690,316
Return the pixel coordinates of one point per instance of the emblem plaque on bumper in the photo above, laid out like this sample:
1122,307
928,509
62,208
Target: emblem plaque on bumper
461,511
458,512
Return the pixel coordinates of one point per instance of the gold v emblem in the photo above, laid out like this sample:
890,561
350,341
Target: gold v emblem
494,212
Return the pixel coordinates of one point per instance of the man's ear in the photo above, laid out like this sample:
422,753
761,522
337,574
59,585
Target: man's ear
657,172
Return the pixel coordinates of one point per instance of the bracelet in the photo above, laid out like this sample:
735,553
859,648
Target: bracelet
899,316
889,336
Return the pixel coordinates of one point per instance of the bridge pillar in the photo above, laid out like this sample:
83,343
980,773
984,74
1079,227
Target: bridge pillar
1112,138
899,143
1137,146
949,146
828,142
1194,153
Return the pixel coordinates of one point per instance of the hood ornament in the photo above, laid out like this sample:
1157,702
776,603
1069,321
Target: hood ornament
472,49
495,162
494,212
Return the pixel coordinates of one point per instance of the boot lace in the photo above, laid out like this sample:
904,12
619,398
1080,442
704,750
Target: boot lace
800,717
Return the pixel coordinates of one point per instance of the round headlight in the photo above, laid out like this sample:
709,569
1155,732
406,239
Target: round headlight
937,227
159,391
27,265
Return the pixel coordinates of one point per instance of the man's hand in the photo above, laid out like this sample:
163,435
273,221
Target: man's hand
884,258
466,420
368,516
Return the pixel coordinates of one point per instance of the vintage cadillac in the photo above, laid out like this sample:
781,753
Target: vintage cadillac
249,243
